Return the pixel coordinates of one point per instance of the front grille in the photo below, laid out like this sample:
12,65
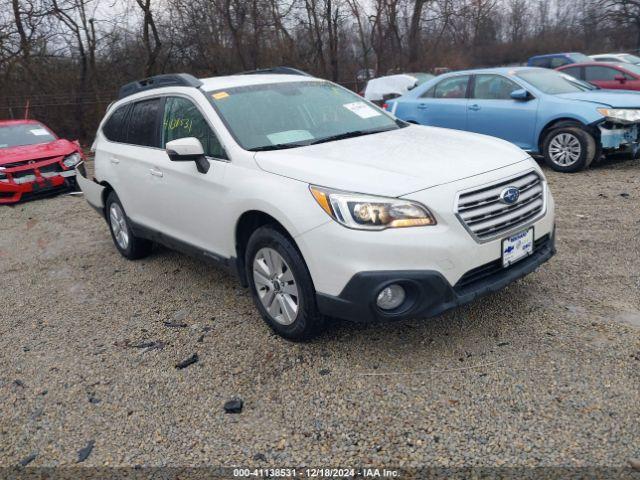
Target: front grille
51,170
16,164
482,212
491,268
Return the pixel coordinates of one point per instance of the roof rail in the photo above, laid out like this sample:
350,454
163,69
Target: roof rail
158,81
276,70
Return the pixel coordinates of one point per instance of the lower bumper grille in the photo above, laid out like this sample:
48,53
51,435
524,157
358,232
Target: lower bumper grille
484,271
23,176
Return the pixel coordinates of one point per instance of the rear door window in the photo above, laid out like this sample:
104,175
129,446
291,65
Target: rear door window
574,72
429,93
493,87
454,87
559,61
115,128
541,62
183,119
143,123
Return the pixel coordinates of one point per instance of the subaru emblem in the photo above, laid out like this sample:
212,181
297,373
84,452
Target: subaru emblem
509,195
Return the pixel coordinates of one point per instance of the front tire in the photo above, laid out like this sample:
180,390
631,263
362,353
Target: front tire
569,148
126,242
281,285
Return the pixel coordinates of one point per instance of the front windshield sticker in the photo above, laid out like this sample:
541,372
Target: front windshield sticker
361,109
289,136
220,95
39,131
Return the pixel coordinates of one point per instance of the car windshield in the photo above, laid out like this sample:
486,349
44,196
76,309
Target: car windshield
627,57
579,57
294,114
551,82
635,69
25,134
583,84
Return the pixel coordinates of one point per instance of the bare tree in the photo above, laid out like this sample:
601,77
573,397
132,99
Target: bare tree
150,36
70,56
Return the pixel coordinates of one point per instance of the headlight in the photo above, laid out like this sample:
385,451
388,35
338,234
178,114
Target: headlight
623,115
3,177
72,160
366,212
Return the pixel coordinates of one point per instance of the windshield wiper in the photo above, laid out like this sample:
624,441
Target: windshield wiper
277,146
342,136
339,136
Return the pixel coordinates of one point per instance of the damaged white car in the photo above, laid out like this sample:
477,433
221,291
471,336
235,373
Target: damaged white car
321,203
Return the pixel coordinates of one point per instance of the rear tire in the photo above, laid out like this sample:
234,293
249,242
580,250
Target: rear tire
281,285
569,148
126,242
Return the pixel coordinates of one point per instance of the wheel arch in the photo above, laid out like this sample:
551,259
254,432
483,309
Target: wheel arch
105,193
247,223
562,121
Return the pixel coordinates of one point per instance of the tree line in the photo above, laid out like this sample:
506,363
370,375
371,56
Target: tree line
65,59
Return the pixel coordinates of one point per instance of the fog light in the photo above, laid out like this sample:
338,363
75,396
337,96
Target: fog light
391,297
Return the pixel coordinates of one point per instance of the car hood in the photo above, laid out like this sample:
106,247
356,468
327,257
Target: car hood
609,98
35,152
393,163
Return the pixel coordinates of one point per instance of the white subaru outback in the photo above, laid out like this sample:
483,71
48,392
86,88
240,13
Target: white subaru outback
320,202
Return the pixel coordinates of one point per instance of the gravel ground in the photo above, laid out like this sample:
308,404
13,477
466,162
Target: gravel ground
543,373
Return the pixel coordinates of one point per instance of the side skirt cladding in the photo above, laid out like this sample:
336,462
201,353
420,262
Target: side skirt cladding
229,264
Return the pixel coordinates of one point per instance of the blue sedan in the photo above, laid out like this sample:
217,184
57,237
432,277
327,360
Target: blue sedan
544,112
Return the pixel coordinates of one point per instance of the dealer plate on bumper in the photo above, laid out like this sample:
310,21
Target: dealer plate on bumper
516,247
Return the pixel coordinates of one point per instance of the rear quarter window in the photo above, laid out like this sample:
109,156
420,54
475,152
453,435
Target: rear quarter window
114,129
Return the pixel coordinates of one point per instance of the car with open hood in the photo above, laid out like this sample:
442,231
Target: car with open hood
567,121
380,89
34,161
320,202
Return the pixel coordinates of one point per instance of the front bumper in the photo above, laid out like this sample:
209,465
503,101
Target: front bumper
428,292
618,136
32,183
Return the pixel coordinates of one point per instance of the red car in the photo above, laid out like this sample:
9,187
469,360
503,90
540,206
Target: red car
619,76
33,160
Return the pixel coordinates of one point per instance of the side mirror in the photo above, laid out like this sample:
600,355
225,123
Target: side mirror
520,94
620,78
188,149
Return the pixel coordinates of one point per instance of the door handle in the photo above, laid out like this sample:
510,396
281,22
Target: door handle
422,106
155,172
475,107
114,161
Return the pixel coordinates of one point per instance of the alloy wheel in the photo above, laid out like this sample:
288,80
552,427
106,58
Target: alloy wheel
276,286
119,226
565,149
